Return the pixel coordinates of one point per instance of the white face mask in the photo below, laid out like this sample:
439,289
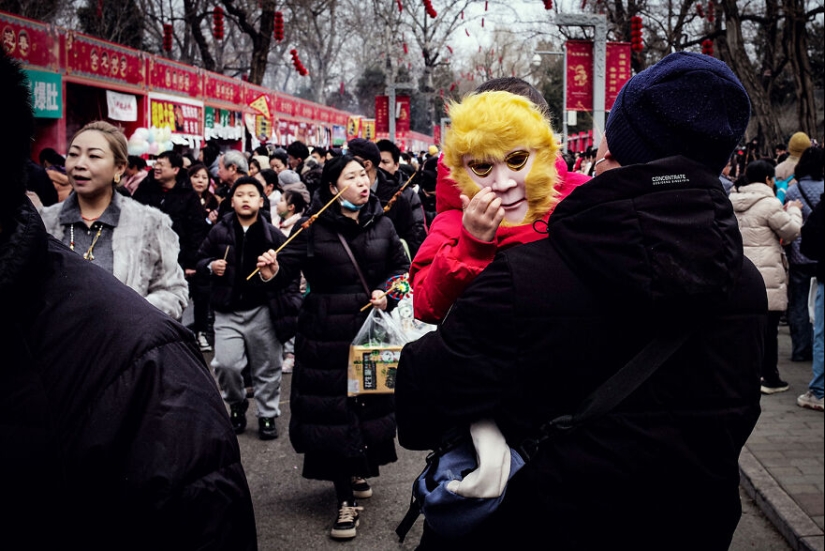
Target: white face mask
507,180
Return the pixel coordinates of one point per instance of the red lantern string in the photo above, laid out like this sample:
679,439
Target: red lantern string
548,4
482,22
711,11
700,11
400,5
450,49
405,49
485,6
466,32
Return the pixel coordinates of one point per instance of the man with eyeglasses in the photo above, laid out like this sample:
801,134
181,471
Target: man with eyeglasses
167,188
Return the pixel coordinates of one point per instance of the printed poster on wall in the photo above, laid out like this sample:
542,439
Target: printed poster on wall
579,75
122,107
402,114
180,118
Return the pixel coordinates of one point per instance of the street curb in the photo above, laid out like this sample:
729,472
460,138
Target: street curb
789,519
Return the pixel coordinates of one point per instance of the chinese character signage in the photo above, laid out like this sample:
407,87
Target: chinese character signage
222,124
382,114
181,118
31,43
221,88
174,77
122,107
618,71
579,75
102,60
353,127
368,127
47,94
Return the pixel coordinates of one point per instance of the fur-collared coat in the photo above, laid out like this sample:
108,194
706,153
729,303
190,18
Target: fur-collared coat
145,251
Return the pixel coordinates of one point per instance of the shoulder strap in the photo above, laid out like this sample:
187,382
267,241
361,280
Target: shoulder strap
804,195
612,392
354,263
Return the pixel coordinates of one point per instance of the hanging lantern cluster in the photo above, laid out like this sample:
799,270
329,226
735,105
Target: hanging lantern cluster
636,34
548,4
278,30
167,37
711,11
428,6
400,5
296,61
700,11
217,23
707,47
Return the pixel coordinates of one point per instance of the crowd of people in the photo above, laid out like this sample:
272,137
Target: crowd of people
529,261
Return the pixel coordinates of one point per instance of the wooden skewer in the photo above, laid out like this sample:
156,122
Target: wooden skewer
305,225
385,293
395,195
226,254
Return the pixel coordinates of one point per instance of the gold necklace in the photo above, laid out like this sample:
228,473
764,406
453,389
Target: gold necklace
89,254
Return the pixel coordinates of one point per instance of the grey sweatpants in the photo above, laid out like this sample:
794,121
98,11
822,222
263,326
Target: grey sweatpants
243,337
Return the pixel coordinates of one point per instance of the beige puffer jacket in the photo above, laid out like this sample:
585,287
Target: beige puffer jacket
763,222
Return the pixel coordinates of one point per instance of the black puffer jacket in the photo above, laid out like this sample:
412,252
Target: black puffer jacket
113,431
183,206
406,213
636,251
323,419
232,291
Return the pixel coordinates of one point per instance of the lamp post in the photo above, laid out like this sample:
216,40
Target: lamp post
599,23
536,61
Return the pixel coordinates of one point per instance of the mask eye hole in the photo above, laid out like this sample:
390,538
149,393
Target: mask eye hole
517,159
480,168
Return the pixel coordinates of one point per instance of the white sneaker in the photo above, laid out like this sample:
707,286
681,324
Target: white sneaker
289,363
203,343
810,401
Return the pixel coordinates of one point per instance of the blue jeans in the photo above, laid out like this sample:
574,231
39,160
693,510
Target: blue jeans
816,384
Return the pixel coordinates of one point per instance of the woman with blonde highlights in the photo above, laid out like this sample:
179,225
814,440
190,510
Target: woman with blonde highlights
130,240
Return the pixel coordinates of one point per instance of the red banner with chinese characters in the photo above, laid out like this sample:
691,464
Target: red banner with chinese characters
579,75
402,120
100,60
221,89
382,114
618,71
168,76
181,118
30,42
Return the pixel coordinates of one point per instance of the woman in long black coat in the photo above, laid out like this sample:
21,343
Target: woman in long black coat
343,439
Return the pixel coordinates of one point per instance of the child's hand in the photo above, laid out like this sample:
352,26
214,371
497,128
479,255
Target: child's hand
219,267
482,215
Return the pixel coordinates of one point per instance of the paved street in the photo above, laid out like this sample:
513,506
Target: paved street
782,468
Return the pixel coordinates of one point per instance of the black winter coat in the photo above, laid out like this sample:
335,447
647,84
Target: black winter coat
114,434
406,213
324,422
634,252
183,206
232,291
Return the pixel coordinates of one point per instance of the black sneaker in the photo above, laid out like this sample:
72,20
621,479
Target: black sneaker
267,429
237,415
346,522
360,488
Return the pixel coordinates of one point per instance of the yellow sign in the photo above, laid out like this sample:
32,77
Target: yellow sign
263,127
369,128
261,106
353,127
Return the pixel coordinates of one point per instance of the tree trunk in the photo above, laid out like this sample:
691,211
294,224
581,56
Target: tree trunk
193,22
732,51
795,41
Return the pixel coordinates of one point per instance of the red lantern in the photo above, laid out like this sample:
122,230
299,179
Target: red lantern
217,23
548,4
400,5
636,34
167,37
279,26
711,11
296,62
700,10
428,7
707,47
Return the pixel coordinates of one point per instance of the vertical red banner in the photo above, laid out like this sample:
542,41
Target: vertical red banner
437,133
618,71
402,122
382,114
579,75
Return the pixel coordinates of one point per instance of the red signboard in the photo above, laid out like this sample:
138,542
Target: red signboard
402,122
30,42
168,76
382,114
101,60
223,89
618,71
181,118
579,75
286,105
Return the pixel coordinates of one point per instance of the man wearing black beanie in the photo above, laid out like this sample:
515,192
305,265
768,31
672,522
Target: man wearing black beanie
649,248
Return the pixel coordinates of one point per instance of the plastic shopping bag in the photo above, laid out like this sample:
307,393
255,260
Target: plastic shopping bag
374,355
